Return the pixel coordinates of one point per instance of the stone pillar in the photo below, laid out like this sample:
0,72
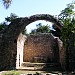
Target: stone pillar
20,48
62,53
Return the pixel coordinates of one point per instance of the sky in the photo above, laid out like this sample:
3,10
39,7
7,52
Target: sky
25,8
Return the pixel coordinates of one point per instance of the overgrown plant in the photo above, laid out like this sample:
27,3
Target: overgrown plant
67,16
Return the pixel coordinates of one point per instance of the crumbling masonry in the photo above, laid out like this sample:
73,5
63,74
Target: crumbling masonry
9,41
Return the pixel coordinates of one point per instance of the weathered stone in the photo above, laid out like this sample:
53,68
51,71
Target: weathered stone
8,39
39,48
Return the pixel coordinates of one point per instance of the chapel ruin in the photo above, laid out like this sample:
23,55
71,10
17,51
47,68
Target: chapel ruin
18,51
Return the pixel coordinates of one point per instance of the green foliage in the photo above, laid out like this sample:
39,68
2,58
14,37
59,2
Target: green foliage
11,18
67,16
41,29
7,21
68,12
7,3
12,73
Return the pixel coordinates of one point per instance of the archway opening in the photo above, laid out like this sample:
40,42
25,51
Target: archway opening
34,25
38,48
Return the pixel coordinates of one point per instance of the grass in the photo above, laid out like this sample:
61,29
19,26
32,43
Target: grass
18,72
14,72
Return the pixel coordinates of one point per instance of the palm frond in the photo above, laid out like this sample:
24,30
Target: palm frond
7,3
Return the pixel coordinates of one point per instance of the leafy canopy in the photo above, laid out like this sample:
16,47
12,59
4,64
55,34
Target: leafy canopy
7,21
67,16
41,29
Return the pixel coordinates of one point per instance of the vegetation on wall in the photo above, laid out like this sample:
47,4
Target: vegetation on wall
8,20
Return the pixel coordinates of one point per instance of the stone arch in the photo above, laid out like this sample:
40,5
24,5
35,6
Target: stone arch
11,34
20,23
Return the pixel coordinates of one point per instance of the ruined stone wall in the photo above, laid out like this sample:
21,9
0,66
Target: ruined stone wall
8,45
7,52
62,53
39,45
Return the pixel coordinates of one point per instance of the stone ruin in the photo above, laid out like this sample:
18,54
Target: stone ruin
41,48
16,49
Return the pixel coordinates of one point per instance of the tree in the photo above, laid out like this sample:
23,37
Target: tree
7,21
41,29
6,3
67,16
11,18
